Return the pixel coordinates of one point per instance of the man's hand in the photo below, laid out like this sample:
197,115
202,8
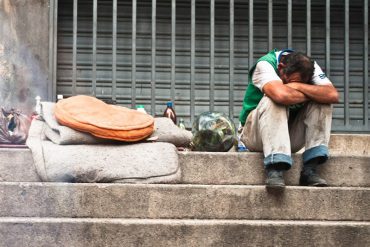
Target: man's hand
325,94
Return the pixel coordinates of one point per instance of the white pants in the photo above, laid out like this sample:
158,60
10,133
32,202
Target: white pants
270,130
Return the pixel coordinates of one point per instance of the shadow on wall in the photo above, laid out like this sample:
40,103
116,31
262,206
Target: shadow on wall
20,70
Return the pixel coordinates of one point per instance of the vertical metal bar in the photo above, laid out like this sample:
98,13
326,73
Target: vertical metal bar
95,24
154,17
133,55
192,63
346,63
212,56
114,51
327,39
51,49
231,65
366,63
308,28
250,35
270,25
53,19
173,50
74,61
289,23
55,36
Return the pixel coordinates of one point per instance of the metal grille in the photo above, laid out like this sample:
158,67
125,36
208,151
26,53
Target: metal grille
197,53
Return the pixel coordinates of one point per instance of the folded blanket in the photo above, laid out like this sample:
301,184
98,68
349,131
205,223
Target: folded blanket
164,131
110,163
64,135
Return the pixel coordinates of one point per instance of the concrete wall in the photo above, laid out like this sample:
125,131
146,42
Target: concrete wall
24,49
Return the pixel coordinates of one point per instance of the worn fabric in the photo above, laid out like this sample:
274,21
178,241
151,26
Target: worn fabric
110,163
63,135
164,131
273,130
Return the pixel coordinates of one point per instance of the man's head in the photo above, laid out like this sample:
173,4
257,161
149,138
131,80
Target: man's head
296,67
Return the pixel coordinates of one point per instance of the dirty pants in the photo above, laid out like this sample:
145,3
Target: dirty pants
268,129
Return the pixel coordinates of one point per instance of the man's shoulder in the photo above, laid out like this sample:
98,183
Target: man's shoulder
319,77
270,57
264,65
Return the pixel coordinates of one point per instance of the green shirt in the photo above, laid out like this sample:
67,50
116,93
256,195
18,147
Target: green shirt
253,95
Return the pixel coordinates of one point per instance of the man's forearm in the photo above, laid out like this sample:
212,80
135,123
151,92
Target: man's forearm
282,94
325,94
292,97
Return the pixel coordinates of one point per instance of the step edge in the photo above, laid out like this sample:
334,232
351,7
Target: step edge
175,185
20,220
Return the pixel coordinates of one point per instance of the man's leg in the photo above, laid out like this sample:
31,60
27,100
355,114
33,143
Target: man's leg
266,129
313,125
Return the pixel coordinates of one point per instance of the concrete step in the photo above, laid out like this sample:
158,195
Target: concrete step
16,164
32,232
215,168
220,203
350,144
182,201
247,168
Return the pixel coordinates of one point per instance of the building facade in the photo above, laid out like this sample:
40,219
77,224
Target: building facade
195,53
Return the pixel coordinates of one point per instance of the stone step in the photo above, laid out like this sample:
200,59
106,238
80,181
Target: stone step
215,168
16,164
180,201
350,144
247,168
32,232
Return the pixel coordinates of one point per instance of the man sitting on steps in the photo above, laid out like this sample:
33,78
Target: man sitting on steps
287,106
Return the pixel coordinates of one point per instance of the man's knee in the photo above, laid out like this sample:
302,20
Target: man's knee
269,108
322,109
268,104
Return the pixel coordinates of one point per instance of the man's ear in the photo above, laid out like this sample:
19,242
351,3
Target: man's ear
281,66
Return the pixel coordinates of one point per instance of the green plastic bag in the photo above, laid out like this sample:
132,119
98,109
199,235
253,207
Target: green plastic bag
213,132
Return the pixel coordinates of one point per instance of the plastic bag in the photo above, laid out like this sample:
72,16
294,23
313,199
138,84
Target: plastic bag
213,132
14,127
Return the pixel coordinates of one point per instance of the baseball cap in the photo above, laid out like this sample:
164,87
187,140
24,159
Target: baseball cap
284,52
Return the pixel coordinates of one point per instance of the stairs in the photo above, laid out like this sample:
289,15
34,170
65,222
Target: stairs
220,202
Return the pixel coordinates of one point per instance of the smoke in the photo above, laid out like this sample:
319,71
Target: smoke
20,73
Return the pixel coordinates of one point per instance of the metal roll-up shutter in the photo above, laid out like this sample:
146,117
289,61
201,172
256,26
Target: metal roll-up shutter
197,53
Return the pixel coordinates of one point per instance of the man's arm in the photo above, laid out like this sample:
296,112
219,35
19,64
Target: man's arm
326,94
282,94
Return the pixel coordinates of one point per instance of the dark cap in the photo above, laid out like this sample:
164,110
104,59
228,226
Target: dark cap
284,53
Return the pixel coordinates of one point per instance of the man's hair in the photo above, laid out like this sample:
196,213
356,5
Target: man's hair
298,62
